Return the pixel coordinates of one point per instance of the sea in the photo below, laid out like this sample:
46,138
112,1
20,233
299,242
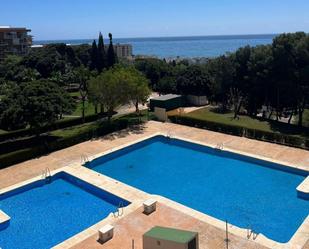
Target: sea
182,47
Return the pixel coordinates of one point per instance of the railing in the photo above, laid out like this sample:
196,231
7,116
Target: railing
120,210
84,159
169,134
220,146
46,175
251,233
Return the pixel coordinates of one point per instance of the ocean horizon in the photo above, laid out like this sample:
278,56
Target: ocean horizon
181,46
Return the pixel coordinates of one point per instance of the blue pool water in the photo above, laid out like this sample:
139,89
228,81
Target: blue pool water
245,191
43,215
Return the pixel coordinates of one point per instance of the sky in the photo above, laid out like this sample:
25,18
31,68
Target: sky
83,19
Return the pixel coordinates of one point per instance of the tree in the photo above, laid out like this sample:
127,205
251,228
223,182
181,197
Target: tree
222,77
101,63
110,89
111,56
194,80
37,104
260,72
82,76
138,87
290,52
94,56
118,86
154,69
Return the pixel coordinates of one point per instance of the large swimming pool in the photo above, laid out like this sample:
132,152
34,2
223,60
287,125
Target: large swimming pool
247,192
45,214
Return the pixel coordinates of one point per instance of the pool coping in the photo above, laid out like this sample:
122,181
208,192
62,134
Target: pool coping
137,197
298,239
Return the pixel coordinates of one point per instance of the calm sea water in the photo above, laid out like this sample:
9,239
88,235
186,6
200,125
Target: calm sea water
194,46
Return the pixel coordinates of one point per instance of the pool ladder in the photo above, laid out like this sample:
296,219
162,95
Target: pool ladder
46,175
84,159
119,212
169,134
220,146
250,233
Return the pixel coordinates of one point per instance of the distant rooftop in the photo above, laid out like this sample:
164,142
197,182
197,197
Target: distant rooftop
166,97
6,28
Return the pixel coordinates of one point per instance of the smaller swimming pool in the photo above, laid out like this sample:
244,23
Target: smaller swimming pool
45,214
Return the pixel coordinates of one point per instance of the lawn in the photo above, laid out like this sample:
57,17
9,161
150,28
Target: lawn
89,109
62,138
209,114
3,131
78,129
227,118
305,118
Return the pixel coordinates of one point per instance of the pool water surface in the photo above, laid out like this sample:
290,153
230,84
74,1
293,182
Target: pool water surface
247,192
45,214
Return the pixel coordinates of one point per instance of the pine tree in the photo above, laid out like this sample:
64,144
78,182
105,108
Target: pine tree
94,56
101,54
111,56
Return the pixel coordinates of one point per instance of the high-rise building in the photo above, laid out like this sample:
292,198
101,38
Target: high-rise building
14,41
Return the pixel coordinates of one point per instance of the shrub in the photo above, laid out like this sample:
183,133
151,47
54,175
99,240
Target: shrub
62,142
60,124
273,137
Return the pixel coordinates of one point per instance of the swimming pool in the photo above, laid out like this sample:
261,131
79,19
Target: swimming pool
248,192
45,214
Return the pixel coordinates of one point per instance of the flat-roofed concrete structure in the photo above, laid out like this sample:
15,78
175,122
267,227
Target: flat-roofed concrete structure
167,102
14,41
169,238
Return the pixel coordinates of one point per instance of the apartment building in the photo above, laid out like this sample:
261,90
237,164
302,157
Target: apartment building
122,50
14,41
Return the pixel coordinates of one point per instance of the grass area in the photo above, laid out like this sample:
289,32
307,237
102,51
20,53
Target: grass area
78,129
74,94
209,114
3,131
227,118
75,130
62,138
305,118
89,109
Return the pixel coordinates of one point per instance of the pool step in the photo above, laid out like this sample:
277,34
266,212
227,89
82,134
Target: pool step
303,189
4,220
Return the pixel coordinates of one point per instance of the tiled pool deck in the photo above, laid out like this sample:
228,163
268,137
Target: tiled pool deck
70,160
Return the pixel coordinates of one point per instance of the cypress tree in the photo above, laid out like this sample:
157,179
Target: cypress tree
94,56
111,56
101,54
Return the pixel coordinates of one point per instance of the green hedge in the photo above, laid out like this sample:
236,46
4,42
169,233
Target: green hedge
60,124
273,137
62,142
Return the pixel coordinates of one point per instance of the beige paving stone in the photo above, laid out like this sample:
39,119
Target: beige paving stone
211,229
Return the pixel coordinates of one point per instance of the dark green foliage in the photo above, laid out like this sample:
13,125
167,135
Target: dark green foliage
36,104
273,76
101,60
83,133
59,124
111,56
194,80
94,56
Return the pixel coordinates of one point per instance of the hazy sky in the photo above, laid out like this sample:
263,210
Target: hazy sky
74,19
